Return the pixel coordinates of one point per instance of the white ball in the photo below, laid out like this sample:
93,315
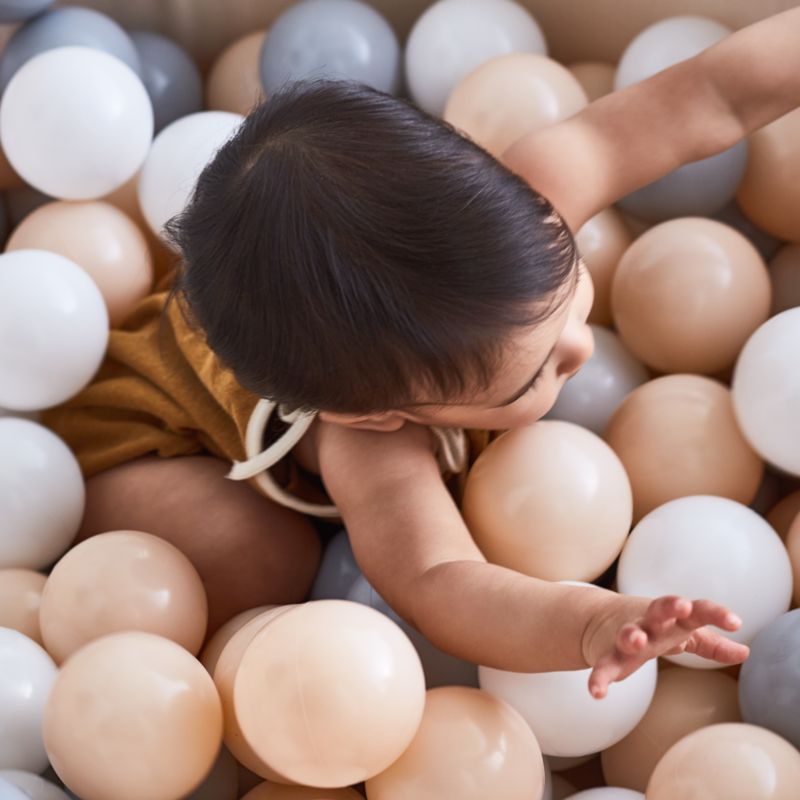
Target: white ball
766,390
711,548
42,495
565,718
453,37
8,791
177,158
27,674
53,329
592,396
34,786
665,43
607,793
76,122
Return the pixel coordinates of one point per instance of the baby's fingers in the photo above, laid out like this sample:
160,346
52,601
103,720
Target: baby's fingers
707,612
605,672
713,645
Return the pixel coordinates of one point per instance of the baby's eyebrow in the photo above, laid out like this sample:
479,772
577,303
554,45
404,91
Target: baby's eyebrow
517,395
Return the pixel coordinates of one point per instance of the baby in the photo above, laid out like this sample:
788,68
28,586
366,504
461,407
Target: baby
391,285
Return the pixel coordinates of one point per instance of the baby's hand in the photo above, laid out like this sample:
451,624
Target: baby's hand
669,625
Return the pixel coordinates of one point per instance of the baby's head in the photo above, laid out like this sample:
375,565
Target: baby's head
347,252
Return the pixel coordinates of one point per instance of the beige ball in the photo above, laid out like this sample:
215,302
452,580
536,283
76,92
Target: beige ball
688,294
596,77
677,436
510,96
20,598
234,82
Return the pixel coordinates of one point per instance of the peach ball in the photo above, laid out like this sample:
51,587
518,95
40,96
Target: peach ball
471,746
327,694
783,514
793,546
602,241
769,193
784,272
124,580
733,761
677,436
20,598
510,96
102,240
213,648
550,500
234,82
132,715
688,294
596,78
275,791
685,701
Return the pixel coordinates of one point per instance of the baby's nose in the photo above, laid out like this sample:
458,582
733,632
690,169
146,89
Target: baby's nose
577,348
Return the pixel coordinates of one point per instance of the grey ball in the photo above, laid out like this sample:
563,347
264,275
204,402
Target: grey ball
769,681
19,10
170,76
337,570
64,27
335,39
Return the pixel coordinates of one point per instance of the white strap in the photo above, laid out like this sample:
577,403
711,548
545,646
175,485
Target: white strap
452,448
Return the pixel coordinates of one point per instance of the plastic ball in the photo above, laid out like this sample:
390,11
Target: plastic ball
53,329
793,546
100,239
550,500
596,78
338,570
453,37
170,76
769,681
19,10
591,397
66,27
176,159
766,390
469,745
27,675
734,761
510,96
216,643
731,215
275,791
784,272
685,701
328,693
124,580
783,514
714,548
677,436
42,495
688,293
769,192
336,39
565,718
20,598
128,700
234,81
34,786
76,123
607,793
9,791
602,241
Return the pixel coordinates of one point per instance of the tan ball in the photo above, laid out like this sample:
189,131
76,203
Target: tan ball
783,514
20,598
509,96
730,761
275,791
327,693
132,715
550,500
101,239
118,581
793,546
596,77
677,436
234,82
784,272
685,701
769,193
471,746
213,648
688,294
602,241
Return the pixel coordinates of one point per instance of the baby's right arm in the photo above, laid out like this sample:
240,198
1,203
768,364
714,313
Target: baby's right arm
413,546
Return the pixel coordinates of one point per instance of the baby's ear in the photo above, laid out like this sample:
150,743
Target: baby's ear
382,421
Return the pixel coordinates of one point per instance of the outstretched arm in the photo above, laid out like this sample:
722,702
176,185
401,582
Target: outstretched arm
693,110
413,546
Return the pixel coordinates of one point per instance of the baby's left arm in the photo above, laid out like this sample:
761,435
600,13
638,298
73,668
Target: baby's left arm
693,110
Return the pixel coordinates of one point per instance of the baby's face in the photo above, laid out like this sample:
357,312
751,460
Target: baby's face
538,363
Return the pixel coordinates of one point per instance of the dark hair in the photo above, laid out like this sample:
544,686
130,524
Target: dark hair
346,251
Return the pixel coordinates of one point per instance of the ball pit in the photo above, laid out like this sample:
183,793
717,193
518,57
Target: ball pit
331,693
